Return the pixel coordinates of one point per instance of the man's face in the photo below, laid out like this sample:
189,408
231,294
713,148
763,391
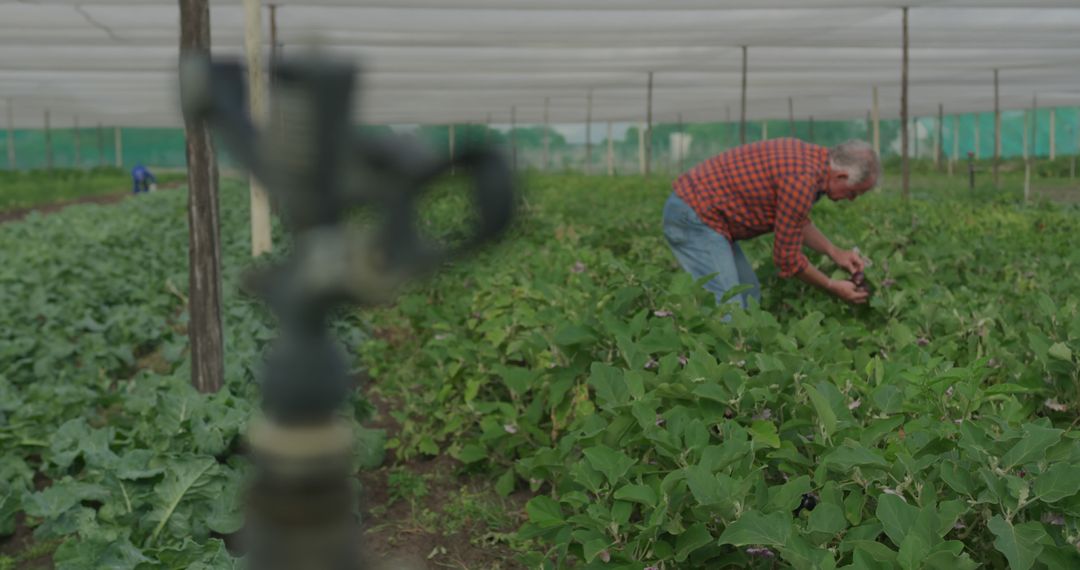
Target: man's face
838,188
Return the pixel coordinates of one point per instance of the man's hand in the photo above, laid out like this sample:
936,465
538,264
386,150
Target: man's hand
848,291
849,259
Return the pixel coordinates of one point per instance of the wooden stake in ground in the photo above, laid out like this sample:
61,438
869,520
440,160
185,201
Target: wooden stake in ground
260,202
78,143
513,137
48,143
118,146
547,135
1024,135
610,152
1053,135
588,132
905,166
11,159
641,148
939,143
204,251
875,113
978,154
742,101
955,144
997,132
1034,128
648,128
101,144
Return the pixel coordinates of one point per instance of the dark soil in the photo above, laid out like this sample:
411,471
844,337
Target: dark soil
399,534
20,213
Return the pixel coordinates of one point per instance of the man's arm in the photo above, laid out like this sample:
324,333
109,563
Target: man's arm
849,260
846,290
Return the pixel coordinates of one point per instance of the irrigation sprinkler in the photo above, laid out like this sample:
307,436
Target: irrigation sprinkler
318,169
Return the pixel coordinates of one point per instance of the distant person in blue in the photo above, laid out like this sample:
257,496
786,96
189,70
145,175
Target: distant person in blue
142,180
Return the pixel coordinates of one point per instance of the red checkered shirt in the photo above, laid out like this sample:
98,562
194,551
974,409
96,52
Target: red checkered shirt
757,188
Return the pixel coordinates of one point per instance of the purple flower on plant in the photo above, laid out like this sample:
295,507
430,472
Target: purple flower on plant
763,414
578,267
886,283
652,363
605,556
1053,519
922,341
510,428
854,404
662,314
683,360
660,420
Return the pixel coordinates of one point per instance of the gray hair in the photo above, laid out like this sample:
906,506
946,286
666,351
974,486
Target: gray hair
858,159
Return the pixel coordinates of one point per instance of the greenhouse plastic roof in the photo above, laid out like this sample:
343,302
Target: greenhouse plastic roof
440,61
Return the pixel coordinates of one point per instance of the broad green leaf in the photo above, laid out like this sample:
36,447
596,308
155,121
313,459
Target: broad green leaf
765,433
693,538
1060,481
851,454
1032,446
608,382
544,512
1021,544
754,528
183,480
612,463
1060,351
827,518
824,410
98,554
896,516
471,453
787,497
637,493
570,335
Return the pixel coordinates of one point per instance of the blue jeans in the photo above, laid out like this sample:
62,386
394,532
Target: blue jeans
702,251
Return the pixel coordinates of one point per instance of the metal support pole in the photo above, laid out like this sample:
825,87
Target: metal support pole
78,144
610,151
101,144
1053,135
588,132
905,166
547,135
48,143
641,148
876,115
648,127
978,154
997,132
513,136
12,163
680,139
939,144
118,146
261,241
955,155
811,129
742,104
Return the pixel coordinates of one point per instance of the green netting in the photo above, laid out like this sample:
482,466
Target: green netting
165,147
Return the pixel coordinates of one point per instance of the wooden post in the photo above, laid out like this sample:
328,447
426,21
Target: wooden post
450,145
1024,135
547,135
48,143
764,130
791,116
978,154
1053,135
997,132
680,139
648,128
641,148
204,249
118,146
274,53
101,144
955,144
875,112
742,103
78,144
939,144
12,164
588,132
1027,181
513,136
915,136
1034,128
905,166
260,203
811,129
610,152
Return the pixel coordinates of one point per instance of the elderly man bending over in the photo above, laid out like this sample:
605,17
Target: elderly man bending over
764,187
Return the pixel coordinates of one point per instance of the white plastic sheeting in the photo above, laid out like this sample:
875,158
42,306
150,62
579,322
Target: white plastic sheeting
441,61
